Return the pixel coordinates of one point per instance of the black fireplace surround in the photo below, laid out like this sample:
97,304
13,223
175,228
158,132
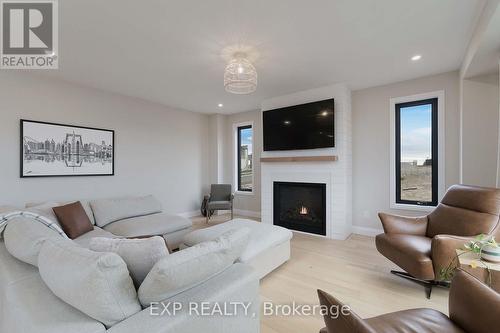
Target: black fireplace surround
300,206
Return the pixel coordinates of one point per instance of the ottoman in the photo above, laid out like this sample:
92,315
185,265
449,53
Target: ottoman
268,246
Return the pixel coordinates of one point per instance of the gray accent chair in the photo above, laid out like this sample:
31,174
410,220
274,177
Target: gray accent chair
220,198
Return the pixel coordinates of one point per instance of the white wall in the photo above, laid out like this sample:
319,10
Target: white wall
371,148
479,132
158,150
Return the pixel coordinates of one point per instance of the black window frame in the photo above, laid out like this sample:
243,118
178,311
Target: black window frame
434,151
239,129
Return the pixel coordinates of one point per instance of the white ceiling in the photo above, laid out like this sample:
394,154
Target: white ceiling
487,53
170,51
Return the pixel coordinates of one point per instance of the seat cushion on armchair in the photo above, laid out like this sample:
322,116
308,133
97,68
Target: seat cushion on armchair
219,205
149,225
411,253
415,320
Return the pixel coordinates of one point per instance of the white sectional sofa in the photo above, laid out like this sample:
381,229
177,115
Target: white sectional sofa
126,217
28,305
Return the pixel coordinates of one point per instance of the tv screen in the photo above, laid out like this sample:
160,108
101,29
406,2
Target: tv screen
305,126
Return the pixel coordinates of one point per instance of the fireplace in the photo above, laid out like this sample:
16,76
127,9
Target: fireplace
300,206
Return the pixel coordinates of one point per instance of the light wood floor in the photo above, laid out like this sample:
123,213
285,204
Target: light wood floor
351,270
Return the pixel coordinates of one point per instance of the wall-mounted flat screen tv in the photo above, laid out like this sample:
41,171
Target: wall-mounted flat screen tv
305,126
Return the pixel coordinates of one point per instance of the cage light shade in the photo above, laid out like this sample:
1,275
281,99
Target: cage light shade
240,76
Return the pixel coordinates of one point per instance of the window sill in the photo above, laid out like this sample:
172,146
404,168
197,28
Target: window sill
399,206
243,193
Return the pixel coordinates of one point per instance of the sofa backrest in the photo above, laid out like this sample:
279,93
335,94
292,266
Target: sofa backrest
466,211
45,208
107,211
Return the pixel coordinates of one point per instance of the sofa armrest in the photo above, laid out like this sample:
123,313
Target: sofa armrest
395,224
473,306
237,284
444,251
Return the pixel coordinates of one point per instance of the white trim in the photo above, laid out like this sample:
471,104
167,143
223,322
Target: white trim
440,95
244,193
364,231
193,213
248,213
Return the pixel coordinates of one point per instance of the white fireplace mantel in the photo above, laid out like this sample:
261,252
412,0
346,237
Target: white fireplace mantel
335,173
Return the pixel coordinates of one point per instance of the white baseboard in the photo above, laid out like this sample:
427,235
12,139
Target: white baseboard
241,212
366,231
190,214
248,213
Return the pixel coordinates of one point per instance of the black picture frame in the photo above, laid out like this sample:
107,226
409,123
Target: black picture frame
22,173
434,151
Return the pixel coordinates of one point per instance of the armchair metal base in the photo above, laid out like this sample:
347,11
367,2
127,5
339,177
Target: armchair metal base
427,284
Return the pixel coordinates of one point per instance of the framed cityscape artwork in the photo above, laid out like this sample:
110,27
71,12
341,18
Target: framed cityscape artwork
51,150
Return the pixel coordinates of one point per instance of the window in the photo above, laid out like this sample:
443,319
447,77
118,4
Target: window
244,149
416,152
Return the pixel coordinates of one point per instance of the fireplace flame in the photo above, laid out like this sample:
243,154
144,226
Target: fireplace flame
303,211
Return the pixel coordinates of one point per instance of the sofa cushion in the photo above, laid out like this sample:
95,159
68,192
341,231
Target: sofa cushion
24,237
46,208
27,305
73,219
71,272
262,236
411,253
187,268
149,225
84,240
111,210
140,255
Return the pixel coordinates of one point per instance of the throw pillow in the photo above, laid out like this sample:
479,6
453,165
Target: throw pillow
140,255
73,219
97,284
190,267
24,237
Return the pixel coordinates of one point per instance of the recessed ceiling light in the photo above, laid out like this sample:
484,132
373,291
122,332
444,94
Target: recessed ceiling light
220,105
287,122
324,113
416,57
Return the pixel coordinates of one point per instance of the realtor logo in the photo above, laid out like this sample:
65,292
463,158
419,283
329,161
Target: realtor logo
29,34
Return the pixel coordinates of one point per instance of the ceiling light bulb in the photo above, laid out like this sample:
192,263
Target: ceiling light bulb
240,69
220,105
287,122
416,57
324,113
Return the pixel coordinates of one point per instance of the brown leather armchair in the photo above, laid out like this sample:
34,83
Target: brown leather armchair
422,246
473,307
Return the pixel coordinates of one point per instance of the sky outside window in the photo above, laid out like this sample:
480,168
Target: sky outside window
246,139
416,133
